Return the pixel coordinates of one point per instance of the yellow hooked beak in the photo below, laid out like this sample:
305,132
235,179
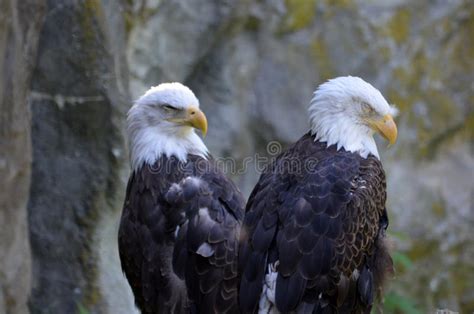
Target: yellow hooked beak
196,119
385,127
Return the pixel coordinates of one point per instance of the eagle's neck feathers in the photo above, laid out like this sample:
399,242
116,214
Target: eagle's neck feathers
148,144
335,126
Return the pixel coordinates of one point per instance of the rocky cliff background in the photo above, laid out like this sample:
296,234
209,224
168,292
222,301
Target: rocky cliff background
70,69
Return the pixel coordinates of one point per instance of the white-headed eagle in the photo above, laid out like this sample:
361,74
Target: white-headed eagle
312,240
179,231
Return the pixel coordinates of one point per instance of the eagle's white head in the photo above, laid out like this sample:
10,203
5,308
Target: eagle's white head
347,111
163,122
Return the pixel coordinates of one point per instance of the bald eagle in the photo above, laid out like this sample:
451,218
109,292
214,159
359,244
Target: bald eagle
179,230
312,239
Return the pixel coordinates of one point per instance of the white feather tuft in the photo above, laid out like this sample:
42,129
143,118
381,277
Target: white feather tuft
196,181
394,111
205,250
267,297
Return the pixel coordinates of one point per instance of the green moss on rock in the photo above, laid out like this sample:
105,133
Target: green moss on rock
399,26
322,58
300,14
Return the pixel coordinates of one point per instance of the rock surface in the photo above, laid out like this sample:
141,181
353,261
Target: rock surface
253,65
19,22
79,95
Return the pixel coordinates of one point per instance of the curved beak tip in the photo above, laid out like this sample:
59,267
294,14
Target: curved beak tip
198,120
204,131
388,129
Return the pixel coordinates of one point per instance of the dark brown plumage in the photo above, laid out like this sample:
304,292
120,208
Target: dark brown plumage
321,214
178,237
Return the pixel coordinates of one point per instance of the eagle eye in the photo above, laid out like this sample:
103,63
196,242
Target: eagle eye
169,108
367,108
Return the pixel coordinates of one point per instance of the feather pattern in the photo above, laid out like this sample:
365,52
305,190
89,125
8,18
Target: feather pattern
178,237
319,223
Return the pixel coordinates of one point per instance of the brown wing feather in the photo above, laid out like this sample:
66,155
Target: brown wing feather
207,245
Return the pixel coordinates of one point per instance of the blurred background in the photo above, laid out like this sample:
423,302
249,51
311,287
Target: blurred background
70,69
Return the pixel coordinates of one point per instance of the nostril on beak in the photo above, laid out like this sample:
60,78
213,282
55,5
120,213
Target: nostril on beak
193,112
